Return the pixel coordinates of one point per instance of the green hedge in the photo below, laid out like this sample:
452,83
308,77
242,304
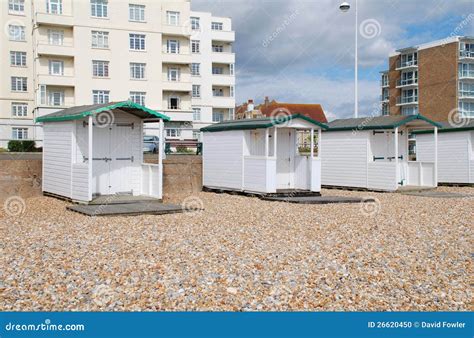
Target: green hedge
22,146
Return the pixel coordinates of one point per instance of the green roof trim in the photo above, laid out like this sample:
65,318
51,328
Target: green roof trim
79,112
260,123
466,125
377,122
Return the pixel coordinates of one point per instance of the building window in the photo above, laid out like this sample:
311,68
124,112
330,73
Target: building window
196,114
56,67
196,91
99,8
384,81
195,46
231,69
100,68
16,33
100,39
138,97
231,91
196,135
18,59
137,71
54,6
56,98
55,37
172,18
173,74
466,109
19,84
217,48
16,6
410,110
172,46
173,132
466,70
20,133
195,23
136,13
217,70
173,102
217,92
385,109
409,59
217,116
195,69
217,26
466,49
466,90
100,96
19,109
137,41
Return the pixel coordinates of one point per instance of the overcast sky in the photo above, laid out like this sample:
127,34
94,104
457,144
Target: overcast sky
303,50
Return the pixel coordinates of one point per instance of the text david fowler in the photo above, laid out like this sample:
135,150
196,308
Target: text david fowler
447,325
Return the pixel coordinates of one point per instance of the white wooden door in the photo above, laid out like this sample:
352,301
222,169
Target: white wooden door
122,159
284,158
101,160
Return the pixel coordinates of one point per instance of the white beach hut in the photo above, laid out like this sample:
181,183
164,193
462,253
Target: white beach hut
372,153
112,136
262,155
455,151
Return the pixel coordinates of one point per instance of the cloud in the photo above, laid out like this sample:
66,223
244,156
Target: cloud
285,47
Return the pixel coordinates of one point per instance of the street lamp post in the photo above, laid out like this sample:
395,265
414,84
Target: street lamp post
344,7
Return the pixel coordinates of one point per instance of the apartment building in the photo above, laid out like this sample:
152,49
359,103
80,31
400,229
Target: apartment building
432,79
63,53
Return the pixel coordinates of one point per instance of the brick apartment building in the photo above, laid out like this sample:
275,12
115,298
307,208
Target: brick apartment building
432,79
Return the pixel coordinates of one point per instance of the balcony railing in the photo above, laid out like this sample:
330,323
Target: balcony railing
466,94
404,64
384,83
407,99
384,98
406,82
466,74
466,54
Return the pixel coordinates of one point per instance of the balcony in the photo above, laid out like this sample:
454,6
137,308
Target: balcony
54,19
407,83
466,94
227,36
177,86
384,98
402,100
466,54
223,101
56,50
56,80
466,74
223,79
223,57
407,64
176,30
384,84
181,58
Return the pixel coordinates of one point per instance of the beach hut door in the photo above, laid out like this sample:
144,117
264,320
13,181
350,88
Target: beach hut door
284,159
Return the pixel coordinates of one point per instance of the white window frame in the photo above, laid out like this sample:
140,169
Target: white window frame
137,71
54,7
100,39
19,133
16,6
174,74
56,67
231,91
100,68
55,37
196,92
137,41
218,48
197,114
172,46
99,8
100,96
136,13
17,59
217,116
195,69
172,18
138,97
16,33
195,23
56,98
173,132
231,69
217,26
19,84
195,46
19,109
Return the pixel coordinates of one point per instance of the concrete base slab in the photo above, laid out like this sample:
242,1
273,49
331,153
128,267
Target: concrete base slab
319,199
121,199
127,209
437,194
278,193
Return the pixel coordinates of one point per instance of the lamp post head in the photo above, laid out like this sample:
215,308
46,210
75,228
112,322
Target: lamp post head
344,7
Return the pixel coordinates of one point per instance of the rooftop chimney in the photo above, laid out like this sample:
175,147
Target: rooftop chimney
267,101
250,105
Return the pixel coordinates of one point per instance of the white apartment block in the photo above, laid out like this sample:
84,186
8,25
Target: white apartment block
63,53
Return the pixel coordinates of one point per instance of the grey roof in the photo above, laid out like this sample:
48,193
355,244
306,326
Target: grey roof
461,125
79,112
376,122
